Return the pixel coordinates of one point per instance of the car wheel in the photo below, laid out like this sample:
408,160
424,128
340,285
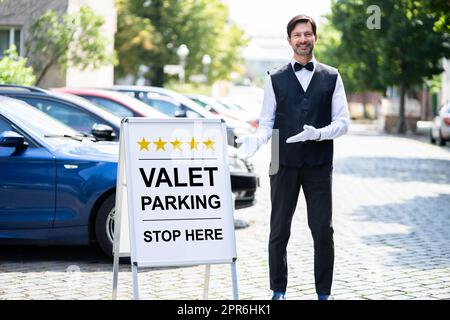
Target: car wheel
441,141
432,140
104,225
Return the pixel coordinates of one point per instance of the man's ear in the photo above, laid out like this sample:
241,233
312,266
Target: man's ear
289,39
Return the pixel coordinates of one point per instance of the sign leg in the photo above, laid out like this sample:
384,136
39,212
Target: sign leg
117,215
206,285
115,275
134,268
235,281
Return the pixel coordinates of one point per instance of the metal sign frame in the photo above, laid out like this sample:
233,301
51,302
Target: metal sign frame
122,219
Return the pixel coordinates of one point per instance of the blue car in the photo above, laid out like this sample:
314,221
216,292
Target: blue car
56,185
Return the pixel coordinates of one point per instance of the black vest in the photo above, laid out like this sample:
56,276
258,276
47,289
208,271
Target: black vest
295,108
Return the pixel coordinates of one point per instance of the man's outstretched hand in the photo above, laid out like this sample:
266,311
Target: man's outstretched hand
249,145
308,133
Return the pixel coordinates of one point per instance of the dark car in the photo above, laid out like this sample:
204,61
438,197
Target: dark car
244,180
75,112
56,186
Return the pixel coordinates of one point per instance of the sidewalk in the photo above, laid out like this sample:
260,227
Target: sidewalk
391,220
391,197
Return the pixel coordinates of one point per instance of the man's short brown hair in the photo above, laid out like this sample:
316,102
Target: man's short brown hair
301,18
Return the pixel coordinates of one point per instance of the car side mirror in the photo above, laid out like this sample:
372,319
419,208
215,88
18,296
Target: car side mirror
181,113
12,139
103,132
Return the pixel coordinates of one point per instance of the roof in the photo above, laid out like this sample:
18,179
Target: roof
131,103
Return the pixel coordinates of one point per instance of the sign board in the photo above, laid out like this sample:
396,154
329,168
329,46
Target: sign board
173,69
198,78
177,193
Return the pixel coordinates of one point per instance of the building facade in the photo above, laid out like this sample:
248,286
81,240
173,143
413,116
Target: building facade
17,16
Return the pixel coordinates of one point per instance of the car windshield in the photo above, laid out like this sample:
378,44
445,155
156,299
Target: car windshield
86,104
185,101
192,105
232,105
142,107
207,104
194,109
38,123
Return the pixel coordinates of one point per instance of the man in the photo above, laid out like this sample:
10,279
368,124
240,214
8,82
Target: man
305,102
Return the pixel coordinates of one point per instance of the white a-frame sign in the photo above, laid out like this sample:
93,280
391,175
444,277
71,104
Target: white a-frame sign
173,200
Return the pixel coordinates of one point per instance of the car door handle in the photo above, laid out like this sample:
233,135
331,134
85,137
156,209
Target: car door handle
71,166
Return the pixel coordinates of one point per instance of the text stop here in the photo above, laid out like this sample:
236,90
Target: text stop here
187,235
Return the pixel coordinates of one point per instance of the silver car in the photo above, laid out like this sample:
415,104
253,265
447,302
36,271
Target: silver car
440,128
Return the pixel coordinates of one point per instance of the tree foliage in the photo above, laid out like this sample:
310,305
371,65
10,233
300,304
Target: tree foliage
71,40
438,9
403,52
14,70
354,72
149,33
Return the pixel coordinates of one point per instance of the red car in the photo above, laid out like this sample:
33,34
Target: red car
114,102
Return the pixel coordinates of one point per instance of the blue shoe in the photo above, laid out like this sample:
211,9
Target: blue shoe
324,297
278,295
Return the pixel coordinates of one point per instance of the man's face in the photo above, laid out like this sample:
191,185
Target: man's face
302,39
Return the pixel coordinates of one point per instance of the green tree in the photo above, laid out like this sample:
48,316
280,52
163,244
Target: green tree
354,72
438,9
403,52
72,40
14,70
133,40
166,24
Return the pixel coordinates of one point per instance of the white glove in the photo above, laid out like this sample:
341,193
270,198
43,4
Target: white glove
308,133
250,144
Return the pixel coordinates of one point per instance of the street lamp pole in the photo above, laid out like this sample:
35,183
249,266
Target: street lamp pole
206,61
182,52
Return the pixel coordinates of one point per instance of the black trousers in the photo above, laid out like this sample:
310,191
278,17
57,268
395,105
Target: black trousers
285,187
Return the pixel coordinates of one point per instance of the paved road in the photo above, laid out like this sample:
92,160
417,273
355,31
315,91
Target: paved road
392,236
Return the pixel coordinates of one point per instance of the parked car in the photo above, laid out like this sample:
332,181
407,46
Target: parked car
188,108
249,103
244,180
56,186
233,105
85,117
119,104
170,106
440,127
75,112
22,88
220,108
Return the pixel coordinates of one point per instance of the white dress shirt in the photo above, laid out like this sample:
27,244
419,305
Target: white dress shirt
340,119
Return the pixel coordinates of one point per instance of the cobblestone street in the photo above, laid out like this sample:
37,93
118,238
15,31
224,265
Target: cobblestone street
391,210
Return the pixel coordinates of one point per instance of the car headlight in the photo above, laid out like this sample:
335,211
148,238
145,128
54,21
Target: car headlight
234,162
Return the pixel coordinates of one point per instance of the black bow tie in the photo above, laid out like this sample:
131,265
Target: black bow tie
309,66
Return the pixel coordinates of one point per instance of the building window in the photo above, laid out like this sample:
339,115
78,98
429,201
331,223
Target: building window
10,36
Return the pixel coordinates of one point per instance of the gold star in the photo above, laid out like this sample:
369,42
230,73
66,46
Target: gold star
193,144
143,144
176,144
160,144
209,144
